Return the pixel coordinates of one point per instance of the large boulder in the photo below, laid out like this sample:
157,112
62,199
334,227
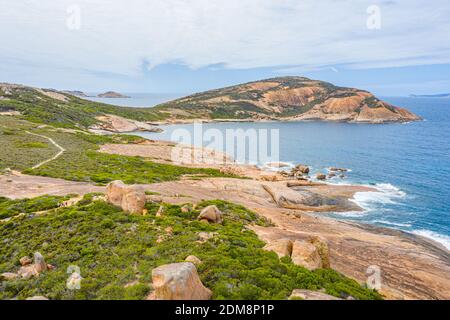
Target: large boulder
300,168
297,198
310,295
130,198
306,254
321,176
8,276
282,247
212,214
178,281
33,270
24,261
193,259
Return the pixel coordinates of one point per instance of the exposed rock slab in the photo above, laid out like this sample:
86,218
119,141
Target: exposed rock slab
310,295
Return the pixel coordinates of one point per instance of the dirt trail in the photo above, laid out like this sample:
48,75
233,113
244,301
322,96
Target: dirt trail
61,150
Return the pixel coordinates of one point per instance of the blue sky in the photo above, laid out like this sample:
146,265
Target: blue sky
388,47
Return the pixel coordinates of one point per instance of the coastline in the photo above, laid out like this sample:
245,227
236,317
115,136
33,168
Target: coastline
374,187
403,258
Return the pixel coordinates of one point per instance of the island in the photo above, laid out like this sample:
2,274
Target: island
286,99
111,94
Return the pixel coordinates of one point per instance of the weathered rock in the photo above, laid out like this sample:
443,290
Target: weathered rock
231,170
26,272
8,276
270,177
169,230
212,214
282,247
130,198
178,281
24,261
193,259
39,262
335,169
205,236
310,295
33,270
301,168
185,209
297,198
322,247
321,176
37,298
160,211
306,255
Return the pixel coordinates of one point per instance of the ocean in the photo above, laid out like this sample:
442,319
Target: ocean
408,163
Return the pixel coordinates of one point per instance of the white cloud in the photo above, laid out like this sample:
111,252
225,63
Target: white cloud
119,37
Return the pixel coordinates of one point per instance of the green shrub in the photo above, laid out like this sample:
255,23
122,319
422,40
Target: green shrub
114,249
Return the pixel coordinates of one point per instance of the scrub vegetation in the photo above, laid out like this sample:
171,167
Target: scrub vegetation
116,253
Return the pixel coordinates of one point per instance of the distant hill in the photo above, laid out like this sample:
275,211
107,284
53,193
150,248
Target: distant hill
76,93
286,98
441,95
64,109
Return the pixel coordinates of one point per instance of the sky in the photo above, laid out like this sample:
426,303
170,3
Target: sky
389,47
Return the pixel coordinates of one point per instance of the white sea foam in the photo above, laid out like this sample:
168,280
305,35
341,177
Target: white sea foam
442,239
267,167
351,214
390,223
386,194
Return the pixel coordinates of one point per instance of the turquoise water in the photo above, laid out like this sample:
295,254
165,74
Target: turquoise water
408,163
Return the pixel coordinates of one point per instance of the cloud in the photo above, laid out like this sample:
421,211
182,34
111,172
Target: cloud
123,37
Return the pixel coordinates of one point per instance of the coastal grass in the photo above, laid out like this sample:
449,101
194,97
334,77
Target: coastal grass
19,149
68,112
116,253
10,208
81,160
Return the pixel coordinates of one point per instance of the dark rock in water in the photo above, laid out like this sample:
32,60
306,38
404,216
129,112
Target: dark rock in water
335,169
321,176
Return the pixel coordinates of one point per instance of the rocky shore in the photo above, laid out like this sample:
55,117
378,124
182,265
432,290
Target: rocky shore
411,267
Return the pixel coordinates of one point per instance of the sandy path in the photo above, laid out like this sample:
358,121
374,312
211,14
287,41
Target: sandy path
18,186
61,150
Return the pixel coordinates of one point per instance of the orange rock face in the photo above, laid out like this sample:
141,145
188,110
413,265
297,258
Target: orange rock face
288,98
